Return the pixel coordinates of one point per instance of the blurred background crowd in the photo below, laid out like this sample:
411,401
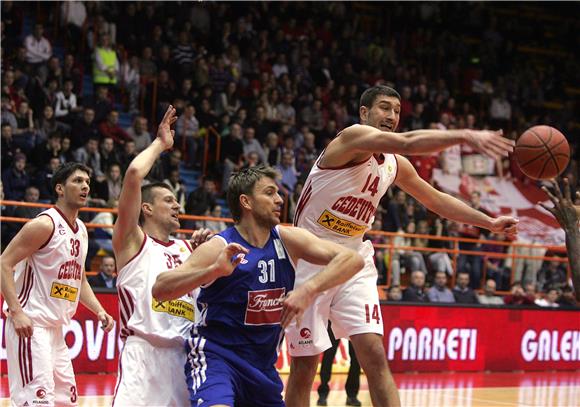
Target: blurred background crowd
273,82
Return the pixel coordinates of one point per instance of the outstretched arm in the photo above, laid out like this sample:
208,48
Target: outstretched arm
341,264
208,262
362,139
127,235
447,206
568,217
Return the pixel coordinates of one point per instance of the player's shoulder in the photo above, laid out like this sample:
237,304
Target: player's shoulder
43,222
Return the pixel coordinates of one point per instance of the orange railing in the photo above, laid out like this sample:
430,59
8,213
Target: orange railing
390,247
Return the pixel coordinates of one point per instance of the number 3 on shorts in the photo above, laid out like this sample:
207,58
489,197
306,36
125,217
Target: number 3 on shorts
376,315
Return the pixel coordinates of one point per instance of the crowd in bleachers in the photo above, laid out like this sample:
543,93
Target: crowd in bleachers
277,81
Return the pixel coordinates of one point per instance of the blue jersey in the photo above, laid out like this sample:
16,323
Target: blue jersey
243,310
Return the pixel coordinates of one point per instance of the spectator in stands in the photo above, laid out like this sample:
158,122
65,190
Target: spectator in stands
228,101
462,292
253,145
109,189
127,155
111,128
395,218
394,294
416,290
90,156
106,276
531,290
102,104
410,259
206,115
38,52
31,195
550,300
102,236
70,71
106,67
43,179
202,199
552,274
517,296
139,133
48,125
232,152
495,267
567,299
500,111
273,150
66,107
288,172
84,128
109,155
73,17
472,264
130,82
439,292
176,185
25,134
43,152
16,179
187,135
213,225
488,297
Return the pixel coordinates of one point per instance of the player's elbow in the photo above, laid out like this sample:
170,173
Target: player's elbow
358,260
161,290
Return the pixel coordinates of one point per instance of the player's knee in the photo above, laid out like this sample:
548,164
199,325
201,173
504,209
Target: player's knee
303,369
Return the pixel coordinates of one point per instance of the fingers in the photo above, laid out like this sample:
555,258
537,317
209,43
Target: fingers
550,195
169,115
549,209
567,191
24,332
235,248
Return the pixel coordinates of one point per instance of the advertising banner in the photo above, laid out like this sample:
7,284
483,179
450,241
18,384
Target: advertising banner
417,338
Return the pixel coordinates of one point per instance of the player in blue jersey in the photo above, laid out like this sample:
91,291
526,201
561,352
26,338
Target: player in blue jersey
246,275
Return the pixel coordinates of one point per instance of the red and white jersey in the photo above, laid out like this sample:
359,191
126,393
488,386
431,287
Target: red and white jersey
161,323
339,204
48,282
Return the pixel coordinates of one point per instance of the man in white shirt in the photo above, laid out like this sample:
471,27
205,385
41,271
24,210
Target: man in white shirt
38,52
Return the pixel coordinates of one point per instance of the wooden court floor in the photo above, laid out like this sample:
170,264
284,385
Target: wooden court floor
446,389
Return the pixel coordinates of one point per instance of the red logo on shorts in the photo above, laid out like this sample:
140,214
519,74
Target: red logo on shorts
265,306
41,393
305,333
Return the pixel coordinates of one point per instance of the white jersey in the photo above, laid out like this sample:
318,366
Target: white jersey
339,204
161,323
48,282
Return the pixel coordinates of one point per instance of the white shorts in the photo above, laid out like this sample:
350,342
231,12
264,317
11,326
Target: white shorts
40,371
353,308
150,375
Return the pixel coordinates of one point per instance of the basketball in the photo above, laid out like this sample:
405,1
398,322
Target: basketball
542,152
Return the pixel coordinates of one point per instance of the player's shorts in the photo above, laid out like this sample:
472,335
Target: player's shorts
216,375
40,371
150,375
353,308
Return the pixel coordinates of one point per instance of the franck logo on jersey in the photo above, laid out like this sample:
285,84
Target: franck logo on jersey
265,306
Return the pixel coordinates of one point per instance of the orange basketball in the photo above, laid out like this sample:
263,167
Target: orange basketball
542,152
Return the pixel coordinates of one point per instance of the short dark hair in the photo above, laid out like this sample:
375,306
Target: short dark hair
242,183
66,170
148,196
369,96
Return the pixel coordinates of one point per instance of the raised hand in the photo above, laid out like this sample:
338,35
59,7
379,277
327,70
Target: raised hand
505,224
164,132
229,258
490,143
563,210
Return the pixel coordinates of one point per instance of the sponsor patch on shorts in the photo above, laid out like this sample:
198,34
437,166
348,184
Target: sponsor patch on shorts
341,226
176,308
63,292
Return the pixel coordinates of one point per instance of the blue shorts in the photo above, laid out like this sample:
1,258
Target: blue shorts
216,375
